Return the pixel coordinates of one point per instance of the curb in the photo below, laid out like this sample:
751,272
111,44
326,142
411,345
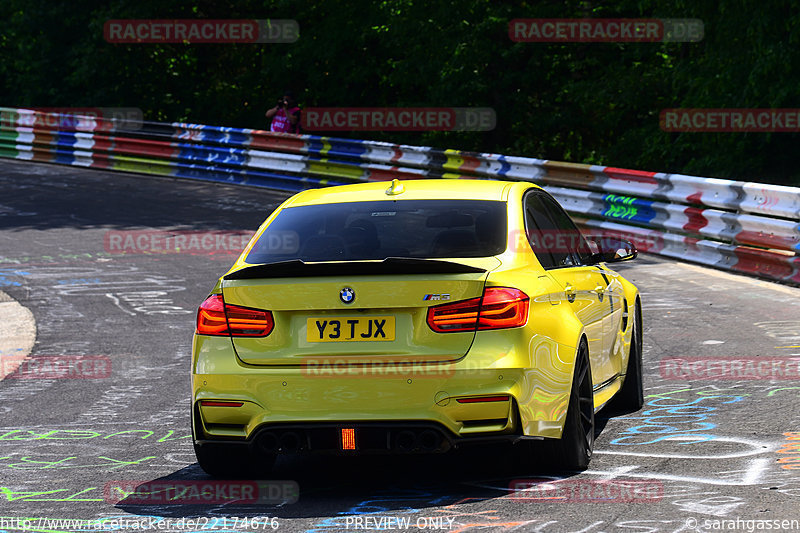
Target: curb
17,334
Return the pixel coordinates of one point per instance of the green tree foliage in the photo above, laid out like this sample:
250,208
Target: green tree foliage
583,102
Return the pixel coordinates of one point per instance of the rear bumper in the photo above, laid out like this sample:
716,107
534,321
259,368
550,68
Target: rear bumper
527,400
368,438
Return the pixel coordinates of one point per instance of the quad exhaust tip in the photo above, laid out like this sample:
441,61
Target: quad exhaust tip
271,442
290,442
429,440
409,441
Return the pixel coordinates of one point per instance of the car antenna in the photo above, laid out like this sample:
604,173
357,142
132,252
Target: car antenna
395,188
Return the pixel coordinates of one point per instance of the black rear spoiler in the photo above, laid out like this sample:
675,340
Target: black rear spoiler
391,265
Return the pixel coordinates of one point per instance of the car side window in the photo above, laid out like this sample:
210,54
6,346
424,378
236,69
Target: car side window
543,234
553,236
575,243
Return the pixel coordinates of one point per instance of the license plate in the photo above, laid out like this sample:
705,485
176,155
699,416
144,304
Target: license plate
348,329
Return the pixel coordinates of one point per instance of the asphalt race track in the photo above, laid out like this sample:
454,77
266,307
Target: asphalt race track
705,451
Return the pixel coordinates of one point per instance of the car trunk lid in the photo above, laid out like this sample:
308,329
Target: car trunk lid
352,313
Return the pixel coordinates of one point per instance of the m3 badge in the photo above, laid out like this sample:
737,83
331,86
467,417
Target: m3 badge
436,297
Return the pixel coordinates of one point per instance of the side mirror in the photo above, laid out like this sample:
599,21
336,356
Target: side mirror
610,250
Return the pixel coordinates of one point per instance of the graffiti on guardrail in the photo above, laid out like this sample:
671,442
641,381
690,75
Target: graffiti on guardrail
744,227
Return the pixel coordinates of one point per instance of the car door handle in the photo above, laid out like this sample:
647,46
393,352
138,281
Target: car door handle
569,290
599,289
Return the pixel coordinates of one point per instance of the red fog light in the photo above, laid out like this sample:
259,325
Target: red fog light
348,439
217,403
482,399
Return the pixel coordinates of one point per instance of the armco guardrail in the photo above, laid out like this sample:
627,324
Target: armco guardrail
751,228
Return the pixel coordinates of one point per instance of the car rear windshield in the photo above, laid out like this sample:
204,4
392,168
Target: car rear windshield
388,228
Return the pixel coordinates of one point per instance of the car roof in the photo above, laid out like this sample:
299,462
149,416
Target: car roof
422,189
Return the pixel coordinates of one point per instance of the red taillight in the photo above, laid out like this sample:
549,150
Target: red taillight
457,316
211,316
245,322
500,307
215,317
503,308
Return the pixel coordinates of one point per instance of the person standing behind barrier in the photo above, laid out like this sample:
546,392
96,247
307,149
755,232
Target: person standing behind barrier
285,115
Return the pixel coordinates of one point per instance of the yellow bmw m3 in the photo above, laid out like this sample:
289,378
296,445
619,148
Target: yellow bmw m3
414,317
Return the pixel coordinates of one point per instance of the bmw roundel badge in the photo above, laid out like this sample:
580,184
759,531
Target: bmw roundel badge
347,295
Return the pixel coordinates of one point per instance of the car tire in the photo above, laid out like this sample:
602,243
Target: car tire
232,462
573,450
630,397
